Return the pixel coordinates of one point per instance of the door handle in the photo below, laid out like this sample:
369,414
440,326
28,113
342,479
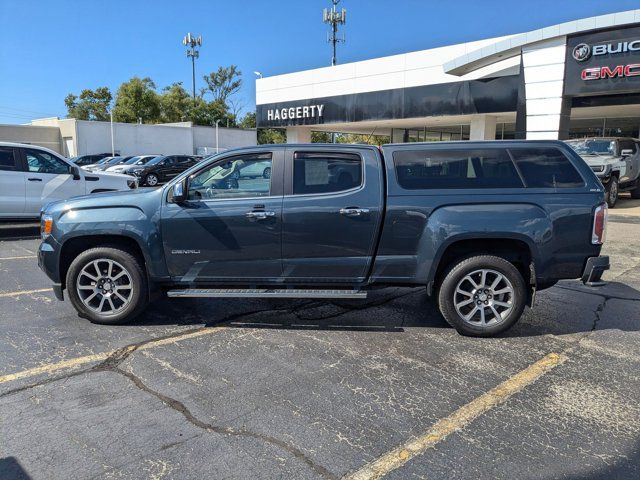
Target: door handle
34,179
260,215
353,211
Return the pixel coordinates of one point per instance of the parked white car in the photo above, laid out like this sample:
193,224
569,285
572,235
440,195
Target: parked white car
131,164
32,176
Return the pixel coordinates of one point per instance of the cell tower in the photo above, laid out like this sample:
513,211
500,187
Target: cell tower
192,43
335,18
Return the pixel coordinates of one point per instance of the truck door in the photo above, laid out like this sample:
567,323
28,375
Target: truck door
227,230
331,213
48,179
12,183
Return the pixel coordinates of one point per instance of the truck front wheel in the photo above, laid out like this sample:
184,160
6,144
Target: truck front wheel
482,296
611,192
107,285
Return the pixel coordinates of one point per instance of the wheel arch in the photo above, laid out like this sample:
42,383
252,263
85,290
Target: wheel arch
517,249
76,245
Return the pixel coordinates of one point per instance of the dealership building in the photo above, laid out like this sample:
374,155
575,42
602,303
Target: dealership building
575,79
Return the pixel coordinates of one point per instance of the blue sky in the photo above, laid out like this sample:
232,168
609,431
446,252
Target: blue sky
49,48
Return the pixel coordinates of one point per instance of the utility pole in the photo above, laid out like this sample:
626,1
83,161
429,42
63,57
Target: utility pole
191,41
334,18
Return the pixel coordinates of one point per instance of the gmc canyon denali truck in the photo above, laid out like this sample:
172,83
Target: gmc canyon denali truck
481,225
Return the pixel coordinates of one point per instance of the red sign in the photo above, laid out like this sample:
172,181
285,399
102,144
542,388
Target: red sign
620,71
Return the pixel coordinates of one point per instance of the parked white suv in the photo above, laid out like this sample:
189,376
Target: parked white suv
32,176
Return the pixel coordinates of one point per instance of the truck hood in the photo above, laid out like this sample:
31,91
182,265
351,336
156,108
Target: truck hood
107,199
597,160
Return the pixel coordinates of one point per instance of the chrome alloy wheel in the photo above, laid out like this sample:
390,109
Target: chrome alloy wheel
484,298
152,180
104,286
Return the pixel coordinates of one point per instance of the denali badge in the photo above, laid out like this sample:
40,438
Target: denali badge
582,52
185,252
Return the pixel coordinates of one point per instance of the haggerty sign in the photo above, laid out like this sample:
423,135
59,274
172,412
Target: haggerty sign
308,111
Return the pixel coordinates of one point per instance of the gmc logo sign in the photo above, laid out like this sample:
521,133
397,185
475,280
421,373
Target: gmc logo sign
620,71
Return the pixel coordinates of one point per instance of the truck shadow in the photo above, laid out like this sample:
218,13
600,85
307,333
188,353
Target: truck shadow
564,309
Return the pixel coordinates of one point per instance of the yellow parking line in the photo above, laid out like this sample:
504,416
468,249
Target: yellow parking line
24,292
457,420
18,258
99,357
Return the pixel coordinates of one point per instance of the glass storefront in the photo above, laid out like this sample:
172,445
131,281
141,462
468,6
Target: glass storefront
431,134
604,127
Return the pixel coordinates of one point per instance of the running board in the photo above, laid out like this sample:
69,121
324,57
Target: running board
264,293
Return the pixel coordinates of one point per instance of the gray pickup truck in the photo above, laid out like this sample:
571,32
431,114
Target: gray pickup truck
616,162
481,225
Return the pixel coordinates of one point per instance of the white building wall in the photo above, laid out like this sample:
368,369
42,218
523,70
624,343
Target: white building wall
133,139
412,69
543,64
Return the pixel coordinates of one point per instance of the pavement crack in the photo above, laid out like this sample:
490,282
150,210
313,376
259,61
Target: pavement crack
181,408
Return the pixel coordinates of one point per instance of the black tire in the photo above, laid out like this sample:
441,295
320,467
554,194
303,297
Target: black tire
456,274
138,295
612,192
266,173
152,180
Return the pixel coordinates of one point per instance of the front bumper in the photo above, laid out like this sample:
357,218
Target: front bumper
49,261
594,269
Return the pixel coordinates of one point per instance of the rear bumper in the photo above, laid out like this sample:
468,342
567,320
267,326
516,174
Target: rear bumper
594,269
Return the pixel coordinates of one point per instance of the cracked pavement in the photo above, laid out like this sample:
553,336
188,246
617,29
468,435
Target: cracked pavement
314,389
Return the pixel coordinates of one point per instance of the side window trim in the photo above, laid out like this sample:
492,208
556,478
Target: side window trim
289,189
275,184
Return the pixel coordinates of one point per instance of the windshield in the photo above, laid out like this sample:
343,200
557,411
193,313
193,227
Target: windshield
115,160
144,160
593,147
104,160
155,160
131,161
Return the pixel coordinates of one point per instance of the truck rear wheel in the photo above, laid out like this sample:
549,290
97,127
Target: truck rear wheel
107,285
482,296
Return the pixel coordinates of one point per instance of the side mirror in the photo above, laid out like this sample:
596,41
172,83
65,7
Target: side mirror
626,152
75,171
179,192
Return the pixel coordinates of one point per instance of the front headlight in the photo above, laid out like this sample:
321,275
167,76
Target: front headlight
46,225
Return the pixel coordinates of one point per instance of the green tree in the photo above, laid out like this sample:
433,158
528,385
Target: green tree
206,113
271,135
224,83
248,121
175,104
137,99
91,105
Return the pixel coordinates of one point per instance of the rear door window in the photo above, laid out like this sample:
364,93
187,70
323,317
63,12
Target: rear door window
546,168
318,172
463,168
8,161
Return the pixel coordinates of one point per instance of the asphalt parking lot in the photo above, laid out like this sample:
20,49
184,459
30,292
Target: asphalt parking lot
310,389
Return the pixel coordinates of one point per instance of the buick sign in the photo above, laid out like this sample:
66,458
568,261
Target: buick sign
582,52
603,63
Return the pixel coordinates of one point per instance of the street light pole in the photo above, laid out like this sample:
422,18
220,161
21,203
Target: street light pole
113,148
192,42
217,149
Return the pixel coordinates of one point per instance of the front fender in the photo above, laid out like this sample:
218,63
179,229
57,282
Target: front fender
125,221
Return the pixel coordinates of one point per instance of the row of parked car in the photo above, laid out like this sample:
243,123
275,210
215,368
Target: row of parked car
151,170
